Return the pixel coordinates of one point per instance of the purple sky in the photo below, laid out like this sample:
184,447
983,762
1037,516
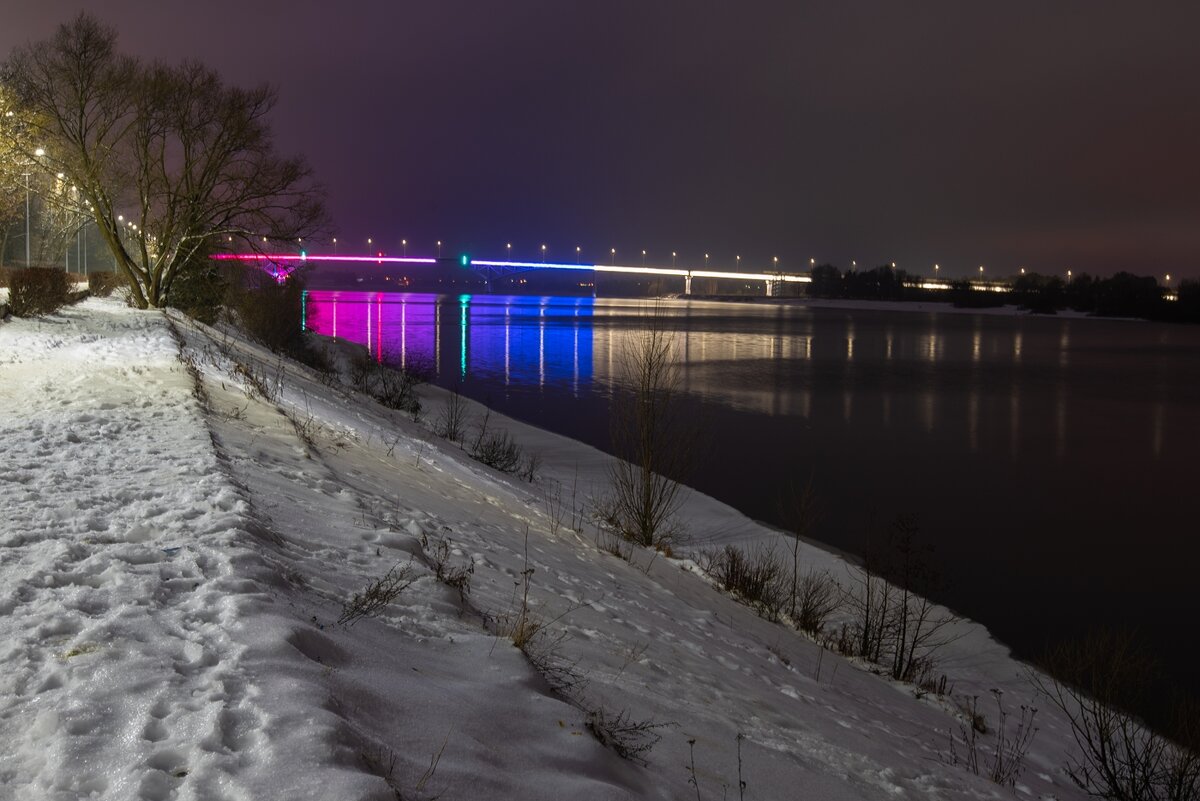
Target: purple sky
1048,135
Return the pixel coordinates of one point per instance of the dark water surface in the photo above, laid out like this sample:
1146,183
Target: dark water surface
1051,461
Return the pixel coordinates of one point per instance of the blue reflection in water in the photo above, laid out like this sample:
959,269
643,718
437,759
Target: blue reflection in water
525,340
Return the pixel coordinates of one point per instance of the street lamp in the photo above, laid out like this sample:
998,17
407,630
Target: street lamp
543,254
614,256
335,246
643,257
439,244
508,247
936,267
577,249
1168,279
672,259
706,261
404,247
775,259
738,261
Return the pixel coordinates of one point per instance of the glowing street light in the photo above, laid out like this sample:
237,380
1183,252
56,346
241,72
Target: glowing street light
335,246
1022,271
1068,276
577,249
439,244
404,247
706,261
508,248
1168,279
673,254
936,268
543,254
738,261
614,256
643,257
776,260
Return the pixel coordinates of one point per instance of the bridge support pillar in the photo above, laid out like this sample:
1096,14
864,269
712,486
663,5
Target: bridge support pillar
687,285
770,289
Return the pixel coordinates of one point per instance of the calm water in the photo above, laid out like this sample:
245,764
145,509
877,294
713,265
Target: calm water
1051,461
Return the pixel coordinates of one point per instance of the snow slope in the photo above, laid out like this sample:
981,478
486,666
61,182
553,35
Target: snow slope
183,516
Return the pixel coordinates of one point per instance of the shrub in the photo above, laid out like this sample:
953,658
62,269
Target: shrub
37,291
1097,681
759,578
817,597
496,449
1006,759
378,594
270,312
103,284
452,421
628,738
199,291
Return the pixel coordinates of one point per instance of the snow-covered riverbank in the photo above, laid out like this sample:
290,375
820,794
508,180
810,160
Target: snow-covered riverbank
176,546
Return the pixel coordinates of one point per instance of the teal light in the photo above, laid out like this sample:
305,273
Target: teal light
304,310
464,303
464,260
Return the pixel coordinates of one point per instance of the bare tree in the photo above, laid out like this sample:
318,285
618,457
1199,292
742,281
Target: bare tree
651,438
189,160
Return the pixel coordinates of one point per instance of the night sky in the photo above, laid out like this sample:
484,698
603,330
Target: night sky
1044,135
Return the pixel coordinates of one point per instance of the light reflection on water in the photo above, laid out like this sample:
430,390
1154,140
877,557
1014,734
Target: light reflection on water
1034,449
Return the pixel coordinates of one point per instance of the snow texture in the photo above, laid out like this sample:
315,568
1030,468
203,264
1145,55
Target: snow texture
183,516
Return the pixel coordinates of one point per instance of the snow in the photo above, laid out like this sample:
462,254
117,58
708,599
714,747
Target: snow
174,557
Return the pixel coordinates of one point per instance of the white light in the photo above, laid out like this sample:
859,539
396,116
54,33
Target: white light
39,152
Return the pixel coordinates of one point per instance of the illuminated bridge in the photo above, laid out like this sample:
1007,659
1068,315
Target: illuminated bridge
283,263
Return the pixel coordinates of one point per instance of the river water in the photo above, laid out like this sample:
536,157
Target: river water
1051,462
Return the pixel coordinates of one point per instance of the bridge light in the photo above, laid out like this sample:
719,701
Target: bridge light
303,255
464,260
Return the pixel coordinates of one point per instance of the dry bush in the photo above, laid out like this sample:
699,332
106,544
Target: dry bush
103,284
377,595
896,624
759,579
817,596
456,577
496,449
38,291
1005,759
1096,682
629,739
452,421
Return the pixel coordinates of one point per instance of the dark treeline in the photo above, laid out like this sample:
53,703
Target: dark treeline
1122,295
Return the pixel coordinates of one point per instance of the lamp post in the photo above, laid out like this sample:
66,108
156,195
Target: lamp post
508,248
738,261
26,221
672,259
706,261
643,257
543,254
613,253
404,248
439,244
577,249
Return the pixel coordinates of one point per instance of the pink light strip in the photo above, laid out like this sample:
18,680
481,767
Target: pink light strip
298,257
